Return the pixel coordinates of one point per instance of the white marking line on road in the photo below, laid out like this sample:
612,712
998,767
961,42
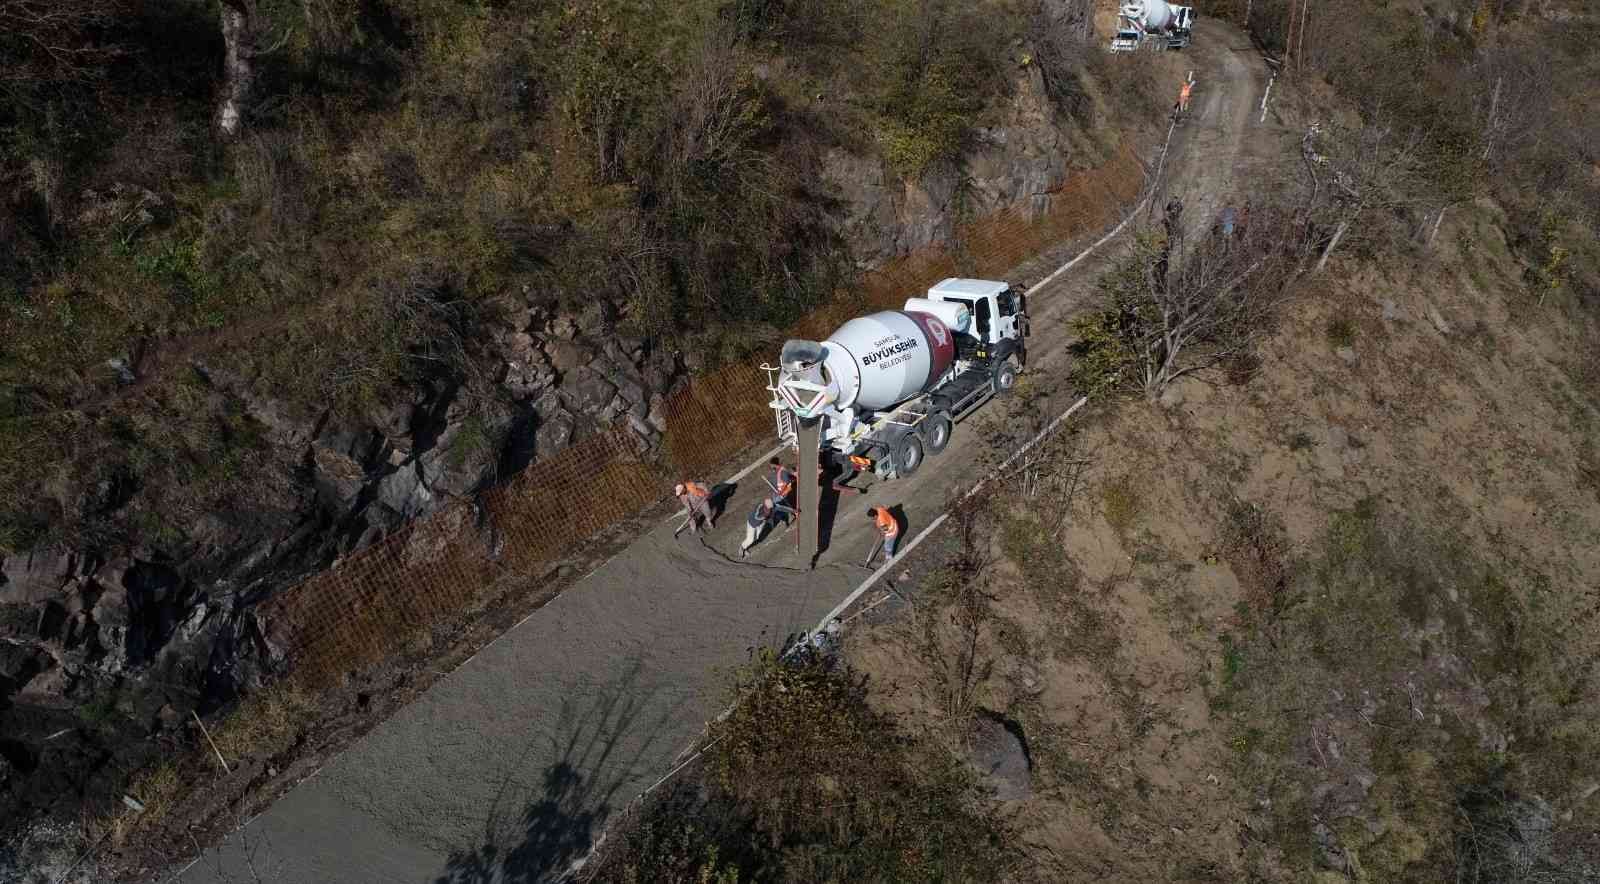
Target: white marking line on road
1090,250
934,525
765,458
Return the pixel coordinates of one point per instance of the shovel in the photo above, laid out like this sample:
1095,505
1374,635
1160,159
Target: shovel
877,545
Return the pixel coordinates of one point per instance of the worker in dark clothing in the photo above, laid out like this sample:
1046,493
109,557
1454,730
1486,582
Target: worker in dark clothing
756,525
888,530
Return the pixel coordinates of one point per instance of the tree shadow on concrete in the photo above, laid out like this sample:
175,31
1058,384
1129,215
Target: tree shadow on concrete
562,814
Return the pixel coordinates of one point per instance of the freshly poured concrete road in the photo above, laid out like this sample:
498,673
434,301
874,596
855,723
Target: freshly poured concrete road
506,769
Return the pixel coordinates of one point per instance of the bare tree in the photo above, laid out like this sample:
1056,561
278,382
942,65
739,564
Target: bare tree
54,41
1184,303
1355,173
1511,99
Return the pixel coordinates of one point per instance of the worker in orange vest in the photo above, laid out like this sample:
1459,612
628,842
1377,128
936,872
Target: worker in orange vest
888,528
782,482
1183,95
696,500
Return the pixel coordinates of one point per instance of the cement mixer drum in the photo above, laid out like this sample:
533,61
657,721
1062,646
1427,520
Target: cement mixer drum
893,355
1152,15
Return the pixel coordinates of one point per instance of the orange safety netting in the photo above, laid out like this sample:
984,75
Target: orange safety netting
378,601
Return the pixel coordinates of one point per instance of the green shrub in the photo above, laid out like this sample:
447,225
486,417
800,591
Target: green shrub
803,781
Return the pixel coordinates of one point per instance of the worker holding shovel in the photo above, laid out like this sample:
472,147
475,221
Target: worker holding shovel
759,520
782,482
888,533
696,500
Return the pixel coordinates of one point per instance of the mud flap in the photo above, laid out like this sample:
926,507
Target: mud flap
809,491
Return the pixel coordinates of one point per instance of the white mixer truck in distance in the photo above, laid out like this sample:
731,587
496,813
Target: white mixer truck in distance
1164,25
887,388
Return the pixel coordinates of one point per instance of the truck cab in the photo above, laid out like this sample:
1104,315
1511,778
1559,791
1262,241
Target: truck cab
1182,27
999,312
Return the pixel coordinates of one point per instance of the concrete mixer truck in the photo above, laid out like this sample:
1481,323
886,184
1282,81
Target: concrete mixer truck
1163,24
885,390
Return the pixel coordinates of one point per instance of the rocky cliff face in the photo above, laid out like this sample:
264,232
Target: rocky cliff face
104,652
1016,162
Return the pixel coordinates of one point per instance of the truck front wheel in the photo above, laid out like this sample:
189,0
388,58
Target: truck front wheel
907,456
1005,376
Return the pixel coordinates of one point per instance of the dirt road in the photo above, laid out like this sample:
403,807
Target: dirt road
507,768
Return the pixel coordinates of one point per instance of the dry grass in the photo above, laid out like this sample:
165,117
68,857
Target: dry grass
159,789
263,725
1122,503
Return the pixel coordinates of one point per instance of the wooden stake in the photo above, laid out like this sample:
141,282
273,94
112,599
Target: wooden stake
207,735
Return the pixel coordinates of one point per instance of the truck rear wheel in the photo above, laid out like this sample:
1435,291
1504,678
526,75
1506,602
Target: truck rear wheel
936,432
907,455
1005,376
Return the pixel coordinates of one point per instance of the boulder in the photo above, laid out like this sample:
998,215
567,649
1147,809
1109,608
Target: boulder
404,492
563,328
527,379
337,476
455,469
554,433
524,381
643,430
658,370
631,389
615,409
588,392
999,755
596,319
36,575
564,356
658,415
430,540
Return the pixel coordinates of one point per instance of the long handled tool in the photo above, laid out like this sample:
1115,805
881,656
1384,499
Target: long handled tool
876,545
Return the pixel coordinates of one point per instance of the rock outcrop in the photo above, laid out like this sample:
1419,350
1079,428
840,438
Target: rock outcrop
1013,164
999,756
